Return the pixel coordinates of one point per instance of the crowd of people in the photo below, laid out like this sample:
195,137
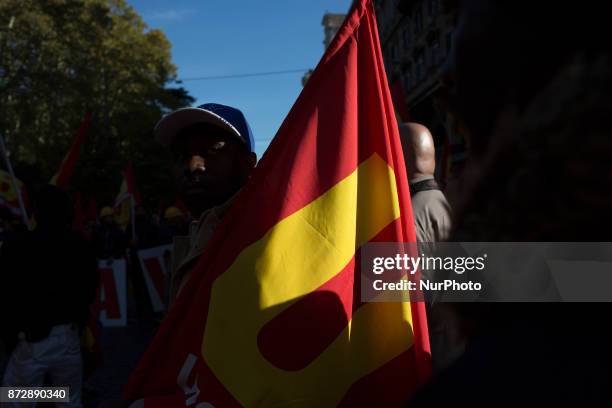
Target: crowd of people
49,281
109,239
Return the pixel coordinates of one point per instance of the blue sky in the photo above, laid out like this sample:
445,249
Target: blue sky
224,37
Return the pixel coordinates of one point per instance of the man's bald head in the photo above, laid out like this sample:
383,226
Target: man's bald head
419,150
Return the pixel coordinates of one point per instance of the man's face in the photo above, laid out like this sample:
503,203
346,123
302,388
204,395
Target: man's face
210,166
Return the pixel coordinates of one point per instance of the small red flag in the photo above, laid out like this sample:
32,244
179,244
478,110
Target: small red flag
79,215
178,203
63,175
92,209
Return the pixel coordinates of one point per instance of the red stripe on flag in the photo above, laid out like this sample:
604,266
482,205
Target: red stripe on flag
297,336
67,167
393,377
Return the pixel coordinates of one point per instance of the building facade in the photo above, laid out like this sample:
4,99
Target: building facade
416,39
331,24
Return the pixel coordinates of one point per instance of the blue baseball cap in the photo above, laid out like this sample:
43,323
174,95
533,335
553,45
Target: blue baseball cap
225,117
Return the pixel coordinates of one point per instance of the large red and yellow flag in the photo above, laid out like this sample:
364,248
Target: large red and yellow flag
272,315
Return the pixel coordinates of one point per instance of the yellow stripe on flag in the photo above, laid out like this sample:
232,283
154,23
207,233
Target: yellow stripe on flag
295,257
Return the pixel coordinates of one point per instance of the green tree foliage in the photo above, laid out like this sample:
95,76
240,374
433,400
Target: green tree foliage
62,58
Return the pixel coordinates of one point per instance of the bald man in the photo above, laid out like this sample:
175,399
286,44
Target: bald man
432,213
432,221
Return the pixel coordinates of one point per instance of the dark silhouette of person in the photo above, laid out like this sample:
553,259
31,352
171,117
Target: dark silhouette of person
48,281
532,84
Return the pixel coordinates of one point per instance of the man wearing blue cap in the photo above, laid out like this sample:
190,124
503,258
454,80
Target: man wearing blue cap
212,145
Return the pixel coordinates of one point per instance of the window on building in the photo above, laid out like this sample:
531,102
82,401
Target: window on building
418,21
436,52
449,41
406,37
433,7
407,79
420,66
394,53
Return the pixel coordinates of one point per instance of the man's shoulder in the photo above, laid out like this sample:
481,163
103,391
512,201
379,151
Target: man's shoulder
214,215
432,216
430,198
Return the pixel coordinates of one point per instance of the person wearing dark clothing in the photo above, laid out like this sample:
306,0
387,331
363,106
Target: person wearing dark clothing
432,223
48,279
173,224
535,105
212,146
146,230
109,240
146,236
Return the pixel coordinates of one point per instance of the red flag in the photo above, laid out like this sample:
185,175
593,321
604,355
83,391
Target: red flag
272,315
62,177
130,179
79,215
178,203
92,210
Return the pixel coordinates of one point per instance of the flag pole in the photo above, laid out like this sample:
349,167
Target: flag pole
17,190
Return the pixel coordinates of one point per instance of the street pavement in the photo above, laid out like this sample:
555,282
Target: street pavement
122,348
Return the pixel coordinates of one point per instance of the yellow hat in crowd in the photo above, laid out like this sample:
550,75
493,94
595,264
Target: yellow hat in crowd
172,212
107,212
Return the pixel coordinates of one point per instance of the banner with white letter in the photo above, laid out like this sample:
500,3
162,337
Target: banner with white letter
155,265
111,299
